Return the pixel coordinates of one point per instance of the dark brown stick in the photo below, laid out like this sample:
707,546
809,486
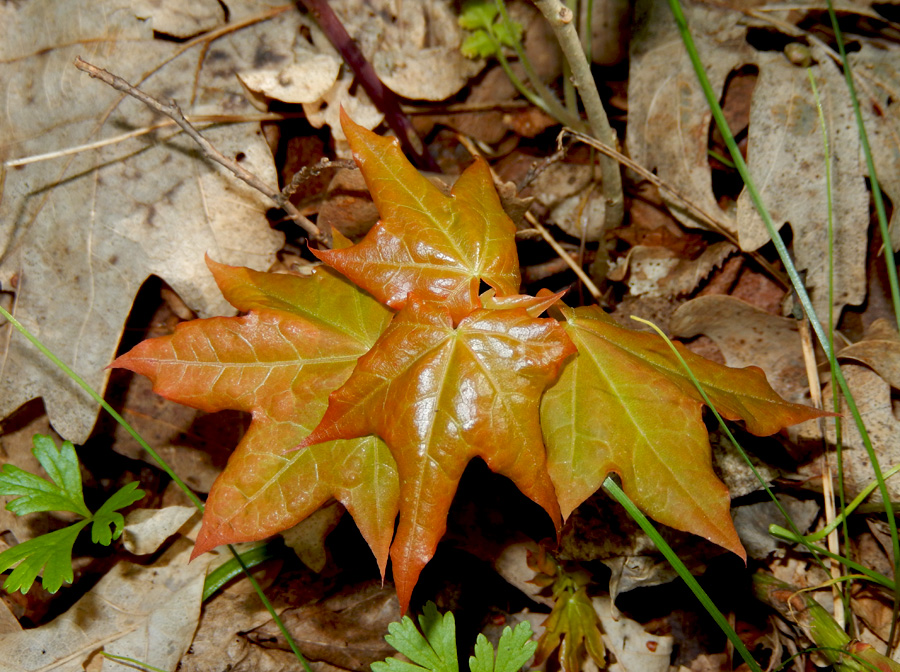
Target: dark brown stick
382,96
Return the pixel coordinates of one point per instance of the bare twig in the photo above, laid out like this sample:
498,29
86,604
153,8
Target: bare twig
706,219
313,170
560,19
166,123
174,112
384,99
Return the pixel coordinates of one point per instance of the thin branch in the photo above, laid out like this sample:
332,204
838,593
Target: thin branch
384,99
174,112
166,123
308,172
560,19
705,218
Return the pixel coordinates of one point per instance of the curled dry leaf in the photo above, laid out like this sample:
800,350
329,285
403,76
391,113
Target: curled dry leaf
146,613
413,47
785,151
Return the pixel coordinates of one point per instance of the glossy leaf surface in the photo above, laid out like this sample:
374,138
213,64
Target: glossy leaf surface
388,409
625,405
440,247
439,396
299,341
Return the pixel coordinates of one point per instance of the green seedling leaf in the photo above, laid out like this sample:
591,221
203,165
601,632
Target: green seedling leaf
52,553
38,494
478,14
108,516
573,625
625,405
478,44
513,650
441,395
435,651
508,34
440,247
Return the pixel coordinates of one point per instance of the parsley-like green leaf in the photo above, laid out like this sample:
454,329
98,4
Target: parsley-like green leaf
434,648
488,33
107,515
435,651
38,494
477,14
478,45
52,553
513,650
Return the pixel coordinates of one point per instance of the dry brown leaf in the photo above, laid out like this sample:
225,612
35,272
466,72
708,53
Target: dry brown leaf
875,68
146,529
636,650
570,193
146,613
669,124
880,349
873,399
218,643
346,630
413,47
307,538
748,336
79,234
660,272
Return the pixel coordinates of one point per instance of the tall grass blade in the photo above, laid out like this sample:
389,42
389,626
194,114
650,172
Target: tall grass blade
794,276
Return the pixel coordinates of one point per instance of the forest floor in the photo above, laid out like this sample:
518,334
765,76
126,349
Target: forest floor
103,247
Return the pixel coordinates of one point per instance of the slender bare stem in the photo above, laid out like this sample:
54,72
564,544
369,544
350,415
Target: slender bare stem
384,99
308,172
172,111
561,20
708,220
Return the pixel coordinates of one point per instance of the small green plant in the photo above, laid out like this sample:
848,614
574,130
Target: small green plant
52,552
573,626
434,648
489,33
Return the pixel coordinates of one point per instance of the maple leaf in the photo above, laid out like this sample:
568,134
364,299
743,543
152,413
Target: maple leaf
440,395
299,341
386,410
440,247
625,405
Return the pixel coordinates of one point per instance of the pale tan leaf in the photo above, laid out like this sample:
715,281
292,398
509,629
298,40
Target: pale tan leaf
669,125
146,613
80,234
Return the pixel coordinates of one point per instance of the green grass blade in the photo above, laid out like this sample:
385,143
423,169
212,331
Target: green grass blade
231,567
132,662
794,276
619,495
